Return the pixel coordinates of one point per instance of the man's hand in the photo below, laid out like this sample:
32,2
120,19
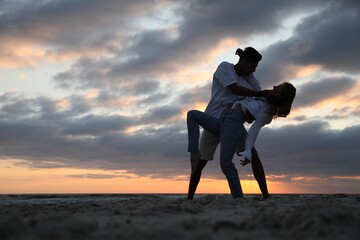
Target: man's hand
272,98
244,162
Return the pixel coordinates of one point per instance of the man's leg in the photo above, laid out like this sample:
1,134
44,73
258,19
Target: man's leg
195,119
197,165
259,173
208,145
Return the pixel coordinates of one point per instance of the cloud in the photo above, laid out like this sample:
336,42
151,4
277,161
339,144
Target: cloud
330,39
327,39
318,91
196,94
65,23
95,125
62,27
310,149
100,142
160,115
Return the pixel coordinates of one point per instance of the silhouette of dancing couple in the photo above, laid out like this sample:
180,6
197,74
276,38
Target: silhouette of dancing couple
236,98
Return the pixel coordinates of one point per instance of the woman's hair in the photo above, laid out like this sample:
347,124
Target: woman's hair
249,54
287,95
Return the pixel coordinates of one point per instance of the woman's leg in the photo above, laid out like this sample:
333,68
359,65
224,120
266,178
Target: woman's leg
195,119
230,133
259,173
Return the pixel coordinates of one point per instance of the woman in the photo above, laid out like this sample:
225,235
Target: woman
263,112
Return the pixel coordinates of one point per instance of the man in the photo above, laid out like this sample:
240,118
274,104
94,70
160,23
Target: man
230,83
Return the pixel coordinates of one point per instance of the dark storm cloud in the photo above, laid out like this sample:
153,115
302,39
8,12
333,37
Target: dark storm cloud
303,150
197,94
16,106
311,149
199,33
154,98
328,39
144,87
94,125
65,139
322,90
158,52
66,26
160,115
67,23
78,105
331,38
85,73
89,73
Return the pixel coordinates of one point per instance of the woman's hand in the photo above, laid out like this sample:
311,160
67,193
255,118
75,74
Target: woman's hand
244,162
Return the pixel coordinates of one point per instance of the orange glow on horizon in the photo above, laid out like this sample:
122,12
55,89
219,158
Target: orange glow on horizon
19,179
347,177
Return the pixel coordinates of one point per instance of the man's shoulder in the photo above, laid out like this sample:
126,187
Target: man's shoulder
225,64
225,67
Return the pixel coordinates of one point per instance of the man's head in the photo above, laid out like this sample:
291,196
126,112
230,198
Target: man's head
249,54
248,62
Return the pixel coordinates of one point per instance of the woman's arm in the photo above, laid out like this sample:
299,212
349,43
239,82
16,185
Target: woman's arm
254,130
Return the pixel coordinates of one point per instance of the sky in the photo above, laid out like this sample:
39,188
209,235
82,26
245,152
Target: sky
94,94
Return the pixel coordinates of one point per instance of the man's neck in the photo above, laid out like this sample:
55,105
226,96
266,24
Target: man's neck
239,71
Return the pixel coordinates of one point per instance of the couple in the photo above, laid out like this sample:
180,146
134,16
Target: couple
236,97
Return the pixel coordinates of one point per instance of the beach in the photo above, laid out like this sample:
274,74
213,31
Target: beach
168,216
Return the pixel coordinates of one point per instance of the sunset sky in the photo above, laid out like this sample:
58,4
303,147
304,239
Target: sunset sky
94,94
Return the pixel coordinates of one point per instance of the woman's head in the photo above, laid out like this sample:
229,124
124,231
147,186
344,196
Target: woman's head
286,92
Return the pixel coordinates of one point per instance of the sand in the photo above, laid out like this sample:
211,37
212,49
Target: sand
315,216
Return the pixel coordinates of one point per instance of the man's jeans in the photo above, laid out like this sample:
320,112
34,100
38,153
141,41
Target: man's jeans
229,128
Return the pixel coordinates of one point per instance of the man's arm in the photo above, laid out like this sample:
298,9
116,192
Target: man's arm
243,91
